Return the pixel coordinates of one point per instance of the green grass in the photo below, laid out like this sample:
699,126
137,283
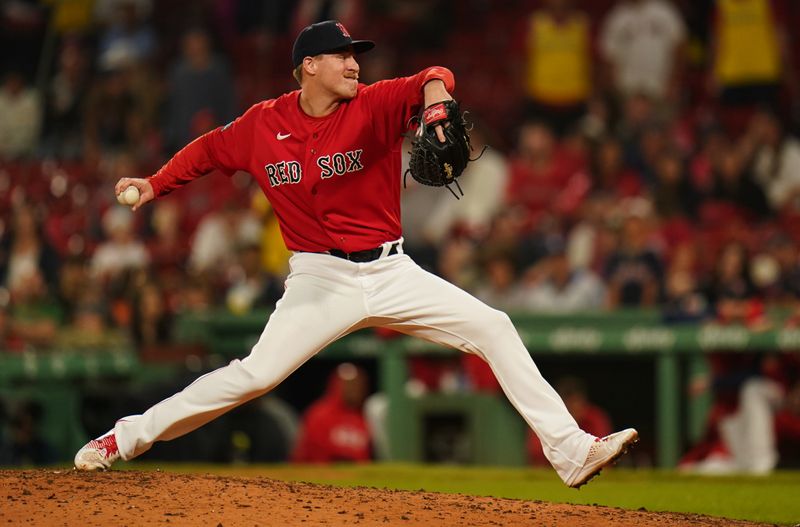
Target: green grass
773,499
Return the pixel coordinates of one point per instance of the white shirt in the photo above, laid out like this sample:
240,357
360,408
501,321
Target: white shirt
778,172
639,39
111,258
484,185
215,241
584,291
20,122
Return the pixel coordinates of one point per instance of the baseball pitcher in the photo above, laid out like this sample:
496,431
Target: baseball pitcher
327,156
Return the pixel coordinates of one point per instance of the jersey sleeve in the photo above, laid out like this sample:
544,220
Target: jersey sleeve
393,102
226,148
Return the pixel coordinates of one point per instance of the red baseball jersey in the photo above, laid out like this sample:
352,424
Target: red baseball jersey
333,181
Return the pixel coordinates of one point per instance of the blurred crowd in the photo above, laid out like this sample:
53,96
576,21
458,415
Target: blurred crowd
641,154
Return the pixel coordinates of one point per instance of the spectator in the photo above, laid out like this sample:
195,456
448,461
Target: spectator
610,174
195,296
558,60
560,288
711,143
106,10
416,202
638,117
34,314
593,239
274,254
765,275
734,186
500,289
776,162
88,328
633,272
169,247
121,251
214,243
643,42
112,110
730,291
540,173
456,262
673,195
596,122
20,118
484,182
151,324
644,155
750,56
72,280
684,299
64,104
251,287
731,276
334,429
24,250
201,91
588,415
784,251
75,18
127,32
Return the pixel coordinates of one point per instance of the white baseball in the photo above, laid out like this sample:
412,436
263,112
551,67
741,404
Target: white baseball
129,196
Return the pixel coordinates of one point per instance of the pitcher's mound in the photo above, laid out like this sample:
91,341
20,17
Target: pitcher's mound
69,497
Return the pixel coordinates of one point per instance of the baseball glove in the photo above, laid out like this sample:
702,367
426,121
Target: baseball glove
436,163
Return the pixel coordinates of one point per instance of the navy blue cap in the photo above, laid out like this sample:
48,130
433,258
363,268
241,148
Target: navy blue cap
323,37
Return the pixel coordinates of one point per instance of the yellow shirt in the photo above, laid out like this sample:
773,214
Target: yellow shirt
274,254
72,15
748,49
558,59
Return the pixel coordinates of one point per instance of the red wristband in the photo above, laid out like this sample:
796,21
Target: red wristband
434,113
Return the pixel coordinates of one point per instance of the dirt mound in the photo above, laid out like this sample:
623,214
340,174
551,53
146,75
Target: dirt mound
68,497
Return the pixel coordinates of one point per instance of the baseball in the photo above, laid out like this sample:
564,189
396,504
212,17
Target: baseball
129,196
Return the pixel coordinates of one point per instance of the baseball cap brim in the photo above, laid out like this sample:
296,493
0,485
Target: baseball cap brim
360,46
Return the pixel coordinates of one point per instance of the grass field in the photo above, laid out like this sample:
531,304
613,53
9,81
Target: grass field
773,499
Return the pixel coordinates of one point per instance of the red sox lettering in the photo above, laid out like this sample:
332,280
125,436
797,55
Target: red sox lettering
291,172
284,172
340,164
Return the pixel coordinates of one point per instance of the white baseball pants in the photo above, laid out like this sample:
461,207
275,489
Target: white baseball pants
328,297
749,433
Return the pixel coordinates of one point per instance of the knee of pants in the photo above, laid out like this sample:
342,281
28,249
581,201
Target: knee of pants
495,326
255,381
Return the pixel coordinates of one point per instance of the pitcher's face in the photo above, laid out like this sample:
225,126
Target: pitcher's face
338,73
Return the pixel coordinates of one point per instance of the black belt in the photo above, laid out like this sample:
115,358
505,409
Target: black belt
367,255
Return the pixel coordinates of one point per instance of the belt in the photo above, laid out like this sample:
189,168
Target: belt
367,255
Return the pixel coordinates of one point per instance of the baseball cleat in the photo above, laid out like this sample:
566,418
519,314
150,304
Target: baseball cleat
603,452
98,453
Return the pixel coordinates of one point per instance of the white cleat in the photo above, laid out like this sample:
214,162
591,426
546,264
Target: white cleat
604,451
98,454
